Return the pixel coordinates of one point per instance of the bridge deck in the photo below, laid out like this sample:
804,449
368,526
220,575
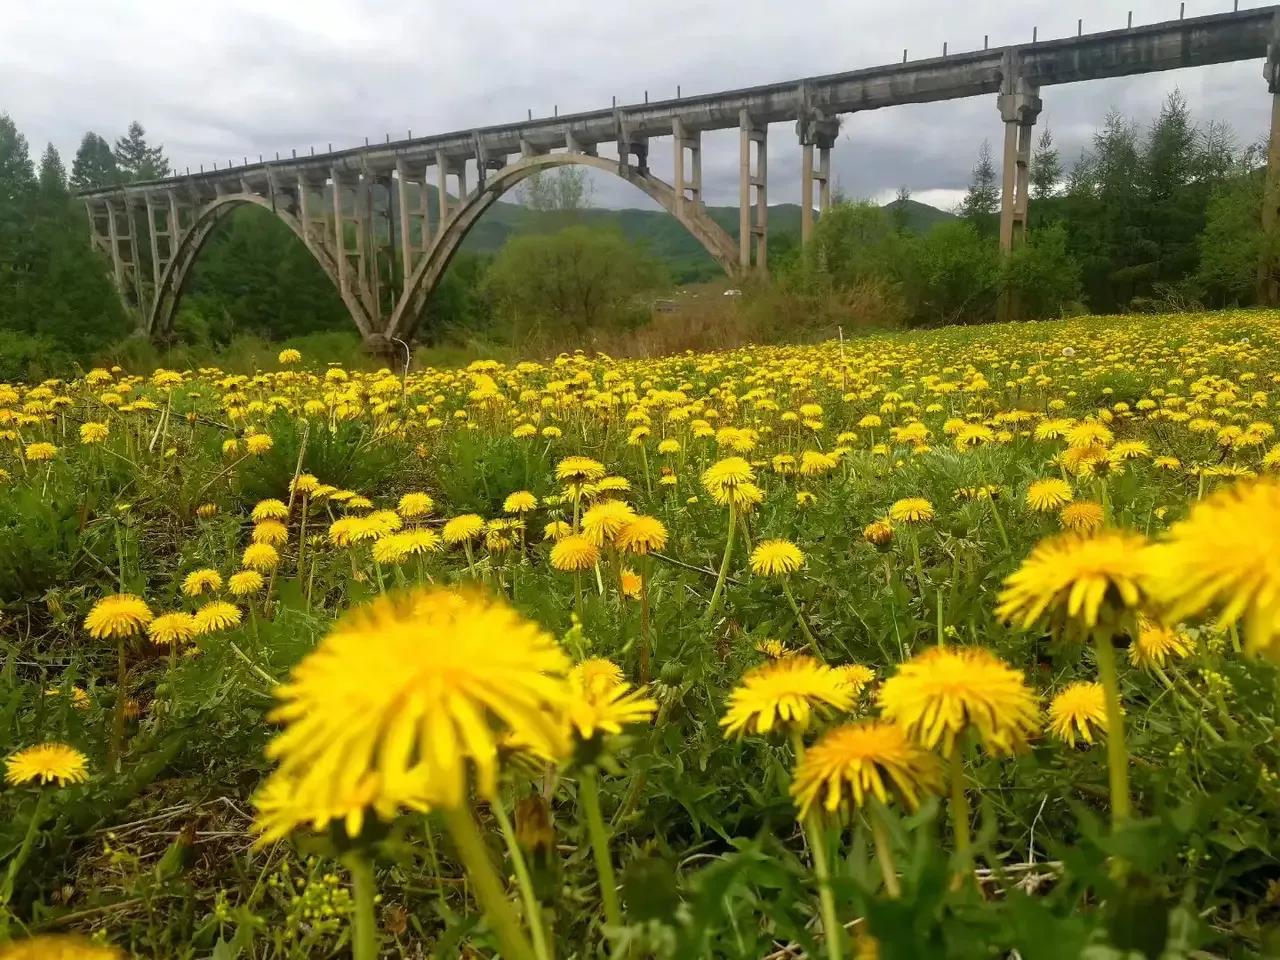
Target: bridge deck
1190,42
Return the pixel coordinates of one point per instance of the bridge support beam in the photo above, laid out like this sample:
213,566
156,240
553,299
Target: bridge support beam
1020,105
753,198
819,132
687,181
1268,291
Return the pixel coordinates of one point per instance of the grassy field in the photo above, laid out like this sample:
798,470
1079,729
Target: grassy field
942,644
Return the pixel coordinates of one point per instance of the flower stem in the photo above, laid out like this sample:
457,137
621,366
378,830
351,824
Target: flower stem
995,515
645,651
724,566
589,796
804,627
532,909
884,853
1117,753
959,814
116,745
28,840
831,927
364,925
493,899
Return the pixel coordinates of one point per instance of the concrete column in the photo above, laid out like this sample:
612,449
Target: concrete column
688,168
113,238
1268,291
340,235
1019,103
304,210
677,170
1268,280
753,175
806,193
157,268
402,196
175,224
442,186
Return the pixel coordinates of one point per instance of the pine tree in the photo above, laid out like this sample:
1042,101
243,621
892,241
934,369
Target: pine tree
1046,168
983,198
53,175
17,178
94,165
138,160
901,209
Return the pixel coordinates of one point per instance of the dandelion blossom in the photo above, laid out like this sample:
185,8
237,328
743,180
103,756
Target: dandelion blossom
574,552
522,501
1223,558
204,580
47,763
463,529
1083,516
416,680
784,693
269,509
944,691
119,615
603,521
641,535
601,701
855,676
216,615
1155,645
1079,712
260,557
245,583
773,558
860,760
415,504
911,510
171,629
1050,494
1078,581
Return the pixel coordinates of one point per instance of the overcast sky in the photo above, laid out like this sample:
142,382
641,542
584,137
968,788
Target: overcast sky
213,81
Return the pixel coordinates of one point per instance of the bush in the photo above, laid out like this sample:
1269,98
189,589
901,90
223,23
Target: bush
1043,277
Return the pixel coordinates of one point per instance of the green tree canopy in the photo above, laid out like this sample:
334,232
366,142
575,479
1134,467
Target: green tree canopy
137,159
94,164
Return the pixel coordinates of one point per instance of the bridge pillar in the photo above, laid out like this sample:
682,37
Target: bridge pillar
1268,290
1020,105
753,177
687,183
820,132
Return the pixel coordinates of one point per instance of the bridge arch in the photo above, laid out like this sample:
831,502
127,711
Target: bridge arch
427,275
169,288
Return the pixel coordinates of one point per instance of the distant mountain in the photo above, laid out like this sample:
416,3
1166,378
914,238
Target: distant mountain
662,234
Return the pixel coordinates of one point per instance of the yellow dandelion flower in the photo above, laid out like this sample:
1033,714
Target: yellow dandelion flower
944,691
1078,582
40,452
773,558
577,470
258,444
641,535
574,552
601,702
94,432
269,509
1082,516
245,583
119,615
216,615
415,504
198,582
911,510
288,356
171,629
282,808
260,557
866,759
1155,645
630,583
1223,558
1050,494
856,676
522,501
416,680
47,763
270,532
556,530
603,521
726,474
462,529
57,947
773,649
1079,712
784,693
